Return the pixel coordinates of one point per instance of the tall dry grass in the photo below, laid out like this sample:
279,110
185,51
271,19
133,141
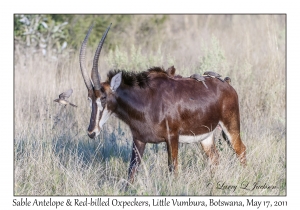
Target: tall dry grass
54,156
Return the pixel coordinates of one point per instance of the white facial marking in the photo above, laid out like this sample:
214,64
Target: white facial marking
90,102
105,115
195,138
96,129
99,104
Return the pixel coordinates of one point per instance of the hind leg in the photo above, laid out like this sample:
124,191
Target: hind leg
209,148
231,128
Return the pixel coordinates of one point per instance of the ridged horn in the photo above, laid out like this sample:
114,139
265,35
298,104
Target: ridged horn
95,74
82,54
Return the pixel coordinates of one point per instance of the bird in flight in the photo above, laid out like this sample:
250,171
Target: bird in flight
62,98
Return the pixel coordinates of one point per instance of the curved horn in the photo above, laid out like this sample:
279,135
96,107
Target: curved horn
85,76
95,74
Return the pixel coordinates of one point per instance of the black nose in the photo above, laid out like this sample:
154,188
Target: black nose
91,135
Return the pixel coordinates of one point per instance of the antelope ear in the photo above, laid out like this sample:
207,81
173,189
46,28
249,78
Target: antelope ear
116,81
171,71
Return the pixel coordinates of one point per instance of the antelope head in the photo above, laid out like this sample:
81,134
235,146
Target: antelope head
101,95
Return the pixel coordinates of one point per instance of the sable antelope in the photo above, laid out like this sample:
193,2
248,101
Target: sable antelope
159,108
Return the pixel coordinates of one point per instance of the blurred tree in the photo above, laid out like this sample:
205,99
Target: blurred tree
57,31
40,33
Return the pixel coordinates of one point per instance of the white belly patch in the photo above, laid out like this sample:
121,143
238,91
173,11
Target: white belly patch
194,138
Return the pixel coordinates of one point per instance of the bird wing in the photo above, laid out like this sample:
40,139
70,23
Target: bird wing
200,78
66,94
212,74
197,77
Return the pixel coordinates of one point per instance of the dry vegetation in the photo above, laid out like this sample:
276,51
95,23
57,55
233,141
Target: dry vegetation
54,156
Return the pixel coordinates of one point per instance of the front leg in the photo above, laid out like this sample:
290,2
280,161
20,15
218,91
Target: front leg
172,146
138,148
172,139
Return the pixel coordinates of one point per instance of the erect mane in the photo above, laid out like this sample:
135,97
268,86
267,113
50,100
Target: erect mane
140,79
